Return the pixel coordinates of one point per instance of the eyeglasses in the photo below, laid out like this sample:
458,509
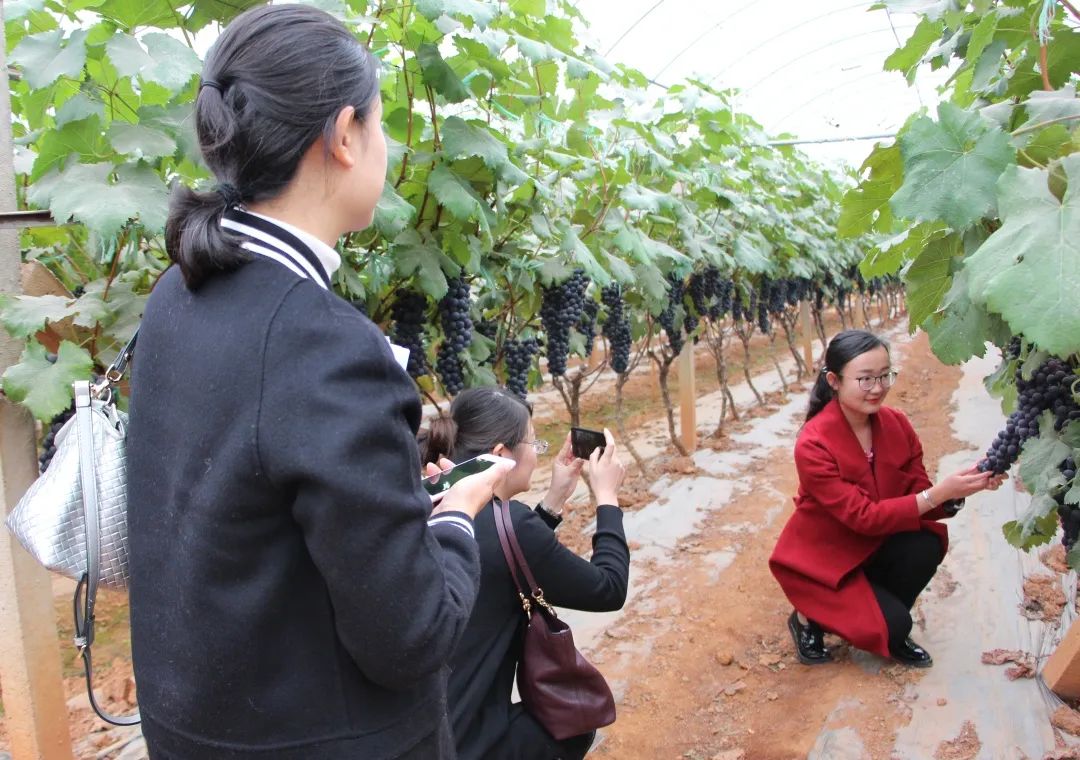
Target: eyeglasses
540,445
868,383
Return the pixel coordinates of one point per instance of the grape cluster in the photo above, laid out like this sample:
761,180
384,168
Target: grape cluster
518,356
457,330
587,324
819,299
560,310
616,328
737,307
48,445
1049,389
1069,513
409,315
667,316
710,295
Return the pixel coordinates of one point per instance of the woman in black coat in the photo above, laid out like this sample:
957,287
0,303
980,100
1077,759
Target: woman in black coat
492,420
293,594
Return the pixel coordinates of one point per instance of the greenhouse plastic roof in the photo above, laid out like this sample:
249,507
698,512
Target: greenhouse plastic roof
813,70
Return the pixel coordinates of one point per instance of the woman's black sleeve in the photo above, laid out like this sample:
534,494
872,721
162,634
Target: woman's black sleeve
595,585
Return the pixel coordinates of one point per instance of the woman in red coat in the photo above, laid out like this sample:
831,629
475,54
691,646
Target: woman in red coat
864,539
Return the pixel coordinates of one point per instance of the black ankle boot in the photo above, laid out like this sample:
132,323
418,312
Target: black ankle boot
911,654
809,641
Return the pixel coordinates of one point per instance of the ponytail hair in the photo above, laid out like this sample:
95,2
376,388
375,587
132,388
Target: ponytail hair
437,440
844,347
479,420
273,83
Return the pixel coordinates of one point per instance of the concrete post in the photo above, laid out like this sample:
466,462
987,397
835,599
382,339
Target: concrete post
35,712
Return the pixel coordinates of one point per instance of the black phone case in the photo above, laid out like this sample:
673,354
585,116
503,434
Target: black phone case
584,441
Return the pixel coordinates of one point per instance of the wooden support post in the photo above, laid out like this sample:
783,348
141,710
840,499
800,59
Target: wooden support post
1062,670
807,335
35,712
687,398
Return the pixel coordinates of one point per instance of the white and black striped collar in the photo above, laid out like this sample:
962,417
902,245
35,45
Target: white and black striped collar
299,251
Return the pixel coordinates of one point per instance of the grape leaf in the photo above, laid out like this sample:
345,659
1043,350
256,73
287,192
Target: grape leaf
458,196
15,9
1044,106
866,207
906,59
414,257
960,330
44,387
22,316
951,167
82,138
480,12
1034,259
1040,457
392,213
573,246
439,75
139,141
461,139
1036,526
46,57
929,277
88,194
77,108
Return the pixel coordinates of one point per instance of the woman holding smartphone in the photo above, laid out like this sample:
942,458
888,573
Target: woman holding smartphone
493,420
292,595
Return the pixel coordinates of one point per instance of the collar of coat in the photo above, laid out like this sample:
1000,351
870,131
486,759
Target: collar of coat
835,429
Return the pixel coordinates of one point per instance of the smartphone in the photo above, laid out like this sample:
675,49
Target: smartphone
584,442
441,482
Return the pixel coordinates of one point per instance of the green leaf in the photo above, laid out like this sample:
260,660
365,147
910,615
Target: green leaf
439,75
165,60
77,108
89,194
413,257
44,387
906,59
133,13
1034,259
1041,456
482,13
960,330
139,141
458,196
392,213
23,316
929,277
461,139
16,9
1043,106
47,56
1073,557
573,246
82,138
866,207
951,167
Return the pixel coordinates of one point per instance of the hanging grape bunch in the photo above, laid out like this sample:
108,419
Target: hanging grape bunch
518,357
48,444
725,299
1049,389
561,309
796,288
736,306
1069,513
457,330
408,313
616,328
667,316
586,326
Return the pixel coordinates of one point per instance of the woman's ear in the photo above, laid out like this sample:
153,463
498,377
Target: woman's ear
501,451
342,139
833,380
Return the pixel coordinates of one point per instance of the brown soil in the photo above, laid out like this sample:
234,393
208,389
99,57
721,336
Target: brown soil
966,746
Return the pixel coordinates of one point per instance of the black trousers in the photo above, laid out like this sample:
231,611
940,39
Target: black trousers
527,740
898,572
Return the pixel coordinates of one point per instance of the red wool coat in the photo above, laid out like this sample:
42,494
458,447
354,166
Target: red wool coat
844,511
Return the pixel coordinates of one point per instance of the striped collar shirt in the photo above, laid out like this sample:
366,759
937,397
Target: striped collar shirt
300,251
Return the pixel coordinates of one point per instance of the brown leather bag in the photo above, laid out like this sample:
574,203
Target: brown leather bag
558,686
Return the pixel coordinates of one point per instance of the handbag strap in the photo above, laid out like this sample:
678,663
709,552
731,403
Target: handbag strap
515,558
86,590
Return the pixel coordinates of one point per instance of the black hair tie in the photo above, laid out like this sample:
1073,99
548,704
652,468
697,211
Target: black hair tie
212,85
229,194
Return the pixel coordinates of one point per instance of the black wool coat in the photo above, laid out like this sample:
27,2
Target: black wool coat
288,597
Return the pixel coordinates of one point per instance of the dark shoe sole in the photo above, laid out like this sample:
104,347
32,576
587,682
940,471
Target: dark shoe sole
798,652
927,663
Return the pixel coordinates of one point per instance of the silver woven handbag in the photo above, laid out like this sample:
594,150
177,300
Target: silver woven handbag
73,519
